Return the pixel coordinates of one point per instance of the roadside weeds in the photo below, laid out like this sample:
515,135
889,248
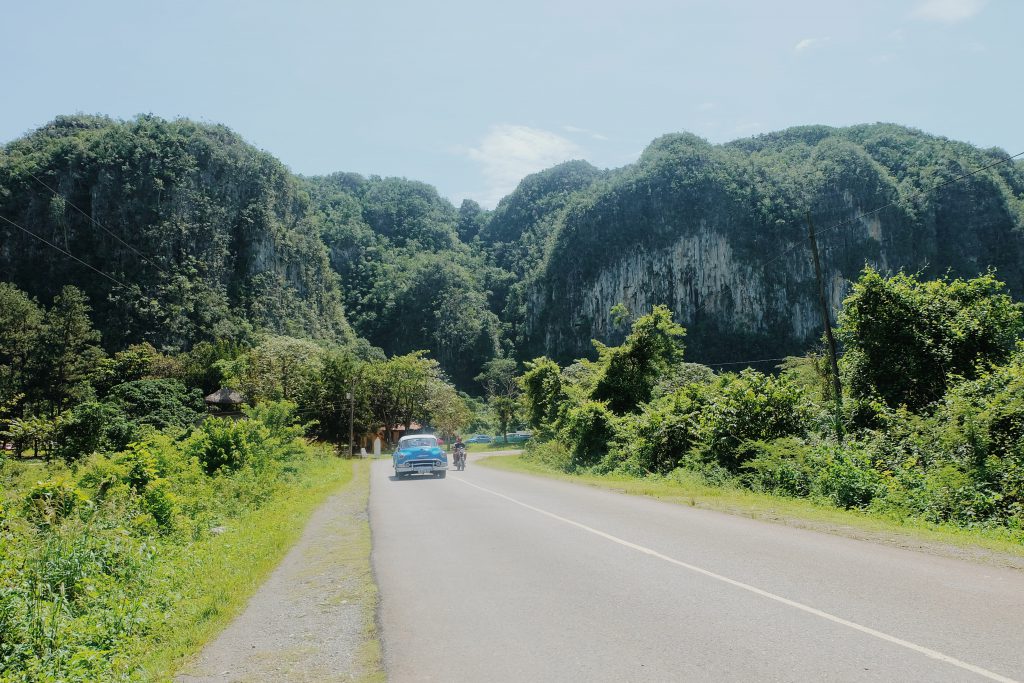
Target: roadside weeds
314,617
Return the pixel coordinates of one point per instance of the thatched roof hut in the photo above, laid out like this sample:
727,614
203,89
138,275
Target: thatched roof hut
225,398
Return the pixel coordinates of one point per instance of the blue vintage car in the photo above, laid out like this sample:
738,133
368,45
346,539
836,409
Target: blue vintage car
419,454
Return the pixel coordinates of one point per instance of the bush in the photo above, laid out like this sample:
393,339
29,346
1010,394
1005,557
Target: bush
904,337
88,428
784,466
159,403
550,454
49,502
847,480
655,440
223,445
279,418
159,501
588,430
750,406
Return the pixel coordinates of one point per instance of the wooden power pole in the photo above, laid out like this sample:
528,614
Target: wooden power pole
837,387
351,419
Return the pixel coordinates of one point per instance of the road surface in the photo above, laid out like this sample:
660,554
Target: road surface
496,576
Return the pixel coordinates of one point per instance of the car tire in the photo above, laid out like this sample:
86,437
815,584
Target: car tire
442,474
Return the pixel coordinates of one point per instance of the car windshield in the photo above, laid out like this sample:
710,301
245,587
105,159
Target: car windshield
424,442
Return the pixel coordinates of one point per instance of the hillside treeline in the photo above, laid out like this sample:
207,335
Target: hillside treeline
209,239
931,426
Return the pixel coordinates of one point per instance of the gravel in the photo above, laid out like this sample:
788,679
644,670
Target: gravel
313,619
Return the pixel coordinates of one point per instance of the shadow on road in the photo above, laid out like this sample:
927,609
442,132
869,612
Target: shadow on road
416,477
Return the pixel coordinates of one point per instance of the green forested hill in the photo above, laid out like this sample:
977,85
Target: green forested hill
409,282
208,235
718,234
231,241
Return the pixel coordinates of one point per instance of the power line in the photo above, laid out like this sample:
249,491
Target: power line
97,223
747,362
66,253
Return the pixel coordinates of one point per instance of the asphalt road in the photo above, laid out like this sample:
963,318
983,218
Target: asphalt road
495,576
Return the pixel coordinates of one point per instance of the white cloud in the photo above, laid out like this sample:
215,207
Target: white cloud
576,130
508,153
808,43
948,11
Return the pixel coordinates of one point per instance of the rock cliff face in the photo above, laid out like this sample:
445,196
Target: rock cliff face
205,235
719,234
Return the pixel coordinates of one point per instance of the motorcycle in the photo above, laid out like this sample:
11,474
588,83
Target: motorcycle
460,457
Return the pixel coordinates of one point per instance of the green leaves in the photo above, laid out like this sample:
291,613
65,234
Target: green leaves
906,339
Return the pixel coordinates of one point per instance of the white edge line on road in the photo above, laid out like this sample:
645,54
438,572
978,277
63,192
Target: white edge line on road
928,652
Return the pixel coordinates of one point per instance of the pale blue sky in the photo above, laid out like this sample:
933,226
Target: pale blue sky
472,95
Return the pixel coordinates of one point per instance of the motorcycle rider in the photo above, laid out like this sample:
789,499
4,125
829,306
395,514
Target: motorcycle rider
460,450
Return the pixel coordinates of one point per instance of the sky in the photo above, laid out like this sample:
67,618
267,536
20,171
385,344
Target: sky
471,96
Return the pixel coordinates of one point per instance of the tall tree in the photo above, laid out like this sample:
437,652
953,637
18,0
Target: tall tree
501,387
631,371
66,350
20,322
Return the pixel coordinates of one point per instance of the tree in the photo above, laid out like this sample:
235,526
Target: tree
278,368
905,338
399,388
471,221
631,371
542,392
134,363
448,412
501,387
66,350
20,322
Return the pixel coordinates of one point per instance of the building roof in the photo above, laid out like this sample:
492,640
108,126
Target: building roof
226,397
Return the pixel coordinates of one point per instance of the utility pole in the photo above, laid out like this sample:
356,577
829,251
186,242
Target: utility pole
837,387
351,419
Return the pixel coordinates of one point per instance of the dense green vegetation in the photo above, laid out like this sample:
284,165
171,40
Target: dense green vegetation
718,234
98,560
103,531
215,240
934,426
225,269
209,236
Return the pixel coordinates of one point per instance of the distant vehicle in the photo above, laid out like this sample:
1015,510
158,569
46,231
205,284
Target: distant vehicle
518,437
479,438
419,454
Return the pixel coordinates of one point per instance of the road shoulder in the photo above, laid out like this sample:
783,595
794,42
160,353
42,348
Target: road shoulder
314,617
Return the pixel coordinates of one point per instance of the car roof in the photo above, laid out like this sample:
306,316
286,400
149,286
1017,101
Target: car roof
418,436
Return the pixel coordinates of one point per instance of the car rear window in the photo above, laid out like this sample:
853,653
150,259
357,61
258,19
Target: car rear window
418,443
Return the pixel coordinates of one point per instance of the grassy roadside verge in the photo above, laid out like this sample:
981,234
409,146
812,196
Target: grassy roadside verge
215,577
992,546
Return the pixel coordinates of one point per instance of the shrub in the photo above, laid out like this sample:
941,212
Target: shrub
86,429
49,502
847,479
222,445
588,430
656,439
784,466
140,466
160,403
279,418
750,406
549,453
159,501
904,337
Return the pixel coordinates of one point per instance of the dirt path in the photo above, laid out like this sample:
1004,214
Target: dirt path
313,620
